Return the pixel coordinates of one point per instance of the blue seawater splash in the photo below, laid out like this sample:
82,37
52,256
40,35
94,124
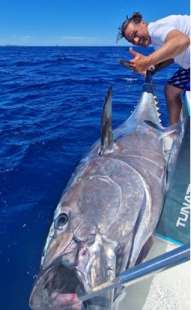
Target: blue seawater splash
50,106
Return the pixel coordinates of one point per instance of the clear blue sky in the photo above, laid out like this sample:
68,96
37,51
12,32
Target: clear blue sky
77,22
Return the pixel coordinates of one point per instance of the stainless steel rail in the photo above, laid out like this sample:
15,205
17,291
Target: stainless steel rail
143,270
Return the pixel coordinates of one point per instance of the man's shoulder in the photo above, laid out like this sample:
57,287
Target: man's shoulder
170,19
160,27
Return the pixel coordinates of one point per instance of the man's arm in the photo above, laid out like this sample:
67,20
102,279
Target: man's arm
176,42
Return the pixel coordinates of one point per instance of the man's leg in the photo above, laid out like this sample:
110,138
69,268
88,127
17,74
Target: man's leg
173,97
178,83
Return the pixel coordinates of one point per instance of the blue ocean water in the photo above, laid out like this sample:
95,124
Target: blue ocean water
50,107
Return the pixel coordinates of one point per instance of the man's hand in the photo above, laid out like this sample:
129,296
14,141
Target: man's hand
139,63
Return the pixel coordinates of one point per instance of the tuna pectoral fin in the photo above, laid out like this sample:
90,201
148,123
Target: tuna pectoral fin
106,125
153,125
170,131
162,130
168,135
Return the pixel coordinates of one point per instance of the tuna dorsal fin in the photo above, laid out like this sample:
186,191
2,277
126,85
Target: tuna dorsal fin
106,124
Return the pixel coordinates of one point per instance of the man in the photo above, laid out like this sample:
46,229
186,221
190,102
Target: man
170,39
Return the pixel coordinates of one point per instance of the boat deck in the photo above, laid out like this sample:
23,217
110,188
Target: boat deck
167,290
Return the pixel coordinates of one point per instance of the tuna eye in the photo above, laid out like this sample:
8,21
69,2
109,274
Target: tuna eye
61,221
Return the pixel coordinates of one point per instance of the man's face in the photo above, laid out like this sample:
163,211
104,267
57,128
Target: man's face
137,34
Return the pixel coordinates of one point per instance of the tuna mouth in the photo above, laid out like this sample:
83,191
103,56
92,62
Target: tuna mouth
57,288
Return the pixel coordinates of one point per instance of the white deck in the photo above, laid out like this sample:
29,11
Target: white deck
167,290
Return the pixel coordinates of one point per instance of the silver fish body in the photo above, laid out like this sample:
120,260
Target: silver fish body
108,211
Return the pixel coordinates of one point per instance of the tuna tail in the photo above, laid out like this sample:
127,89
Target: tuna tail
106,125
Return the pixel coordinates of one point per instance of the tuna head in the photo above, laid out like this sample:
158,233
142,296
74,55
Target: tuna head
76,258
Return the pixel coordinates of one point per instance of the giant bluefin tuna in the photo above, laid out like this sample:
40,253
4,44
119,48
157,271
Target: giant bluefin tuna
108,211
